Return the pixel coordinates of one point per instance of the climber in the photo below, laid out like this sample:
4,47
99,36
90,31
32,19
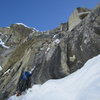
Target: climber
24,82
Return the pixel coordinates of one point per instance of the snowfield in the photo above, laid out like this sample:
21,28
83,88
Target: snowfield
83,84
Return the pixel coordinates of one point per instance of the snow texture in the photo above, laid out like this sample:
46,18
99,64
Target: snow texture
47,50
57,41
83,84
3,44
0,68
8,71
34,29
55,36
22,24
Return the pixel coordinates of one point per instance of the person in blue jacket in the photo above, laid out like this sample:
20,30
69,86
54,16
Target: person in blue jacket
26,75
24,82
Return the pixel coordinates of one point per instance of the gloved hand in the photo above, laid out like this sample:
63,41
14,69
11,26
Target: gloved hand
32,69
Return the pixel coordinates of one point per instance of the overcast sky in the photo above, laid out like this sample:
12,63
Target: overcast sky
41,14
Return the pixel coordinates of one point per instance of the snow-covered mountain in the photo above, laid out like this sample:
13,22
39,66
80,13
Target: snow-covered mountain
83,84
52,54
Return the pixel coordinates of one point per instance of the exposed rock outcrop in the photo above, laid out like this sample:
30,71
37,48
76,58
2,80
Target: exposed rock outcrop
83,41
53,54
77,16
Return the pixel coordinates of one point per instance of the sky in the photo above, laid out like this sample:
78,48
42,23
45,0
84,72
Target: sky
41,14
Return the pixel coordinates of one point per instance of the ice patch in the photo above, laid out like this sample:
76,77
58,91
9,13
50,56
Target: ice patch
34,29
55,36
57,41
22,24
3,44
47,50
7,72
0,68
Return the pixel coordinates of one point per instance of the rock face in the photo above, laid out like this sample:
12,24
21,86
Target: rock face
52,54
77,16
83,41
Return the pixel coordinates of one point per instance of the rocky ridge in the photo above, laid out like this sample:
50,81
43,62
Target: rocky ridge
53,54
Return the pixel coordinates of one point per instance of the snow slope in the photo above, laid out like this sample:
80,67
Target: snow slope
83,84
34,29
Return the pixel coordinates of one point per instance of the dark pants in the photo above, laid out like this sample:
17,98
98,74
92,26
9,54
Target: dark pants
24,84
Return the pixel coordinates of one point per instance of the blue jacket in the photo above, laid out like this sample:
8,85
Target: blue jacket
26,75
